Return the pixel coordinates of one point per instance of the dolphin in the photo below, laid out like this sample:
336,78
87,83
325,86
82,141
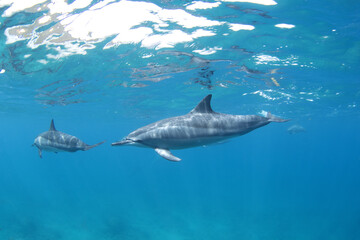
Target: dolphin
294,129
56,141
201,126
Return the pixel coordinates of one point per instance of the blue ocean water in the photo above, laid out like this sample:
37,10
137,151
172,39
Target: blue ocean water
102,69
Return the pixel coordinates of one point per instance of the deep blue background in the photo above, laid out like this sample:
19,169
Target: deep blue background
267,184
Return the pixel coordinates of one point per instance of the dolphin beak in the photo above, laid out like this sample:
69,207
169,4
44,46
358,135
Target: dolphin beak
122,142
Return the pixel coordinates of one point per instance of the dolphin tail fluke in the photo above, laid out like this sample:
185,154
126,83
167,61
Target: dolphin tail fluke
88,147
165,153
275,119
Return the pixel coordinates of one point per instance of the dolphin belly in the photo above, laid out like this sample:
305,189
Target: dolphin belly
182,137
52,149
183,143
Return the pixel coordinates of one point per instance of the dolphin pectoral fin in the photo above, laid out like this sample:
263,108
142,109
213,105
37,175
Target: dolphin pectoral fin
40,153
165,153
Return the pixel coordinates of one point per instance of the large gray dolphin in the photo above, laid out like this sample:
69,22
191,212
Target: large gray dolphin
201,126
56,141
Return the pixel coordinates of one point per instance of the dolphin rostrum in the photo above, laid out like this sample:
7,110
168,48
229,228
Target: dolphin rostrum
201,126
56,141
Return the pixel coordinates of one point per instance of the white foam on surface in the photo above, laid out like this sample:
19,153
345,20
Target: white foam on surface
285,25
12,38
271,94
202,5
18,6
168,40
101,4
61,6
237,27
43,61
113,19
262,2
263,94
70,49
123,20
202,33
265,59
275,61
132,36
44,19
185,19
207,51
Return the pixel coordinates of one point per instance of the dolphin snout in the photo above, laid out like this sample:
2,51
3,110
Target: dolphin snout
122,142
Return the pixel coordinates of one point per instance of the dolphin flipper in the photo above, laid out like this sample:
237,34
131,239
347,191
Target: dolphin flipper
40,153
165,153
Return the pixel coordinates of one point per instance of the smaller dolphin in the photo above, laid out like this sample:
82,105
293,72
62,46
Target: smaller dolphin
55,141
294,129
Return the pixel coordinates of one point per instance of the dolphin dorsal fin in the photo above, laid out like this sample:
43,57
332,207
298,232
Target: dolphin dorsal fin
204,106
52,126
